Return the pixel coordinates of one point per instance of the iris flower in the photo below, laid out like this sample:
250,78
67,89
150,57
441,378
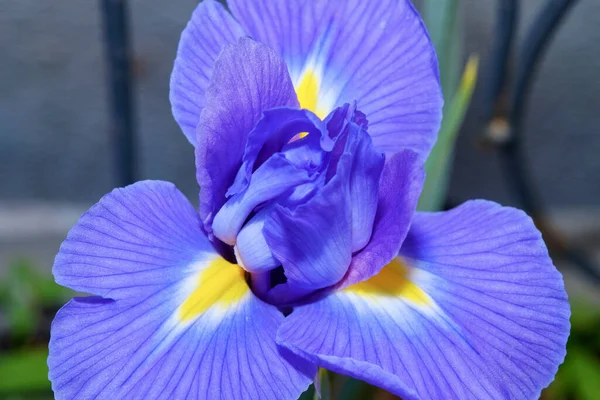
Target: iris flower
310,122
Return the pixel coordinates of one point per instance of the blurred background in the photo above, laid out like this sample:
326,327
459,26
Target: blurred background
520,127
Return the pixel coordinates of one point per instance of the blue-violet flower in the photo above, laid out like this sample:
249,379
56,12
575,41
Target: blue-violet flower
310,122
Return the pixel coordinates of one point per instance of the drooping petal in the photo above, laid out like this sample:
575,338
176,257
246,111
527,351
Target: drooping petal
209,30
248,79
473,309
134,241
175,320
375,52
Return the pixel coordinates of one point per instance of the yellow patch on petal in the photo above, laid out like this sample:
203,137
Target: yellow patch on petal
222,284
308,93
392,281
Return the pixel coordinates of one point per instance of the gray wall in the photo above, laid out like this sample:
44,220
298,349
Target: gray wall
562,129
54,142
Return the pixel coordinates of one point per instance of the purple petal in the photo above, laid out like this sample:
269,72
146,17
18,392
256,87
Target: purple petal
180,323
314,242
132,349
473,308
272,179
248,79
364,184
252,250
271,133
399,189
377,53
137,239
209,30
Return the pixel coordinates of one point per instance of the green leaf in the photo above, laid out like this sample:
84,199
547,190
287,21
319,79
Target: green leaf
24,371
584,316
40,286
587,368
322,385
443,22
21,320
440,159
17,302
353,389
309,394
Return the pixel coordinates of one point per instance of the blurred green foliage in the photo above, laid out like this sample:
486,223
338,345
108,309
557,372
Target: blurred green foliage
24,292
578,378
322,385
28,301
24,371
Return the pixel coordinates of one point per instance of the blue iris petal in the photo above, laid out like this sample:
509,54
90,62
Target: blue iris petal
377,53
248,79
315,241
473,309
272,132
195,60
272,179
252,250
288,156
142,249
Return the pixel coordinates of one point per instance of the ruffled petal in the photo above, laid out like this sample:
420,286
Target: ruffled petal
248,79
375,52
472,309
271,133
314,241
176,319
272,179
209,30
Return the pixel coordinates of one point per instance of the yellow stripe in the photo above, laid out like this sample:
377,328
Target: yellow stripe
308,93
222,283
392,281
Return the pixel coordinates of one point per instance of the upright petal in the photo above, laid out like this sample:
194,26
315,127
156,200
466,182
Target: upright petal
473,309
248,79
375,52
399,189
314,241
364,184
206,34
175,320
